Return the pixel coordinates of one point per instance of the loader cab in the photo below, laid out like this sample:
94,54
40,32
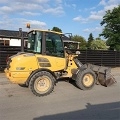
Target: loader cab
45,43
47,46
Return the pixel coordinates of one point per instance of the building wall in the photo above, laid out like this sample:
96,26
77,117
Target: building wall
11,42
15,42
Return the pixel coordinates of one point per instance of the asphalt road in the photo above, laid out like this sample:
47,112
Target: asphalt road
66,102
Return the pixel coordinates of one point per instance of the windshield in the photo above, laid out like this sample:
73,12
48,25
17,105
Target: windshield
34,42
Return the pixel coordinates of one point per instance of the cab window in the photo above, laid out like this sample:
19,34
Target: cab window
54,45
34,42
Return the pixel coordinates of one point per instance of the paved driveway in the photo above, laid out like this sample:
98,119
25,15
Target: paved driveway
66,102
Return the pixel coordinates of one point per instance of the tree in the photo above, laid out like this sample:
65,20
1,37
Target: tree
90,39
98,44
80,39
56,29
111,31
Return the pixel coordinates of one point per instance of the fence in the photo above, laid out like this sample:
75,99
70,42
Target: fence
5,52
97,57
100,57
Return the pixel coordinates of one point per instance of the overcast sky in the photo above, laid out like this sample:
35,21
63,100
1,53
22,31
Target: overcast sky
80,17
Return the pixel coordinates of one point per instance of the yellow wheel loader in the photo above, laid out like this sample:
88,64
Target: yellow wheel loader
46,61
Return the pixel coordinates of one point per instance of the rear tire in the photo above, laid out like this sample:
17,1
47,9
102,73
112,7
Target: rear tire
42,83
86,79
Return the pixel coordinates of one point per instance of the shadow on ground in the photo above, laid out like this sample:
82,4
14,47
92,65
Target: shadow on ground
109,111
68,80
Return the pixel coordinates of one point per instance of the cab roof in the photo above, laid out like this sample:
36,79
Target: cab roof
46,31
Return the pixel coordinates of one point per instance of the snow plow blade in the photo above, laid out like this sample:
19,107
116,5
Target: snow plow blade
103,74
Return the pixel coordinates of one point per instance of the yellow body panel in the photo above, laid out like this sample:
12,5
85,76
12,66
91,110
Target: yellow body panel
17,77
55,62
23,65
20,68
29,62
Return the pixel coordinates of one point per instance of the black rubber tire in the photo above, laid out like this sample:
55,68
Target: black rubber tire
80,76
39,75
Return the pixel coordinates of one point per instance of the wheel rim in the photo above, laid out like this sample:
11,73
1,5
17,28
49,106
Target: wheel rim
42,84
88,80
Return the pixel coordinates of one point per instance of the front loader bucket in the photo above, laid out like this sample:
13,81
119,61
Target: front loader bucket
104,76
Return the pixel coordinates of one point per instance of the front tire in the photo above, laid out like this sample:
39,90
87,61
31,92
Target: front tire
85,79
42,83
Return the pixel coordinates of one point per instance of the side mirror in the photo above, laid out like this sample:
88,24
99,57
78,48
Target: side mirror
77,52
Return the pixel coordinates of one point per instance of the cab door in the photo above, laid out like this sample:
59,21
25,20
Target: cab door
55,51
